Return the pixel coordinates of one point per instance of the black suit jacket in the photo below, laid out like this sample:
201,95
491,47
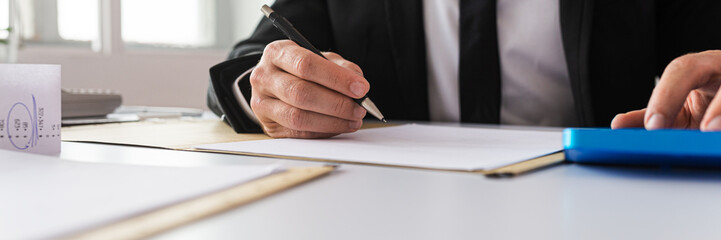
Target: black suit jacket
614,48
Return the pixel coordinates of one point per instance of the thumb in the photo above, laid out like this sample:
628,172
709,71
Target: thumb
337,59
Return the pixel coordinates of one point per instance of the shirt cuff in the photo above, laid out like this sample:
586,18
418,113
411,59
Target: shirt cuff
244,98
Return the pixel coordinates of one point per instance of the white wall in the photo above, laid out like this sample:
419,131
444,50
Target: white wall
157,78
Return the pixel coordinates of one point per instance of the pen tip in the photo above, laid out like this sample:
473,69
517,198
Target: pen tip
384,120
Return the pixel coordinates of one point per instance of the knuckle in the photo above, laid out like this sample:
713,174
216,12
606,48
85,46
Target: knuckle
300,93
257,75
295,118
684,62
341,107
255,103
303,65
695,65
272,48
275,51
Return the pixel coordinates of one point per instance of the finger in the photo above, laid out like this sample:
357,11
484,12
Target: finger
276,130
307,65
308,135
261,79
274,110
680,77
693,110
712,118
632,119
313,97
337,59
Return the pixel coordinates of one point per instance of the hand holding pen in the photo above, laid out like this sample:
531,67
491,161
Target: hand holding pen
298,92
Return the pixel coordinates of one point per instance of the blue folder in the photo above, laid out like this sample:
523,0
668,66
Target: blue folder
672,148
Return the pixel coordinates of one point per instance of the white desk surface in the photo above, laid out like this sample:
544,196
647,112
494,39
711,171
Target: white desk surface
367,202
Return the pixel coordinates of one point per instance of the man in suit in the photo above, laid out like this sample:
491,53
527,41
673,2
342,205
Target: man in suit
531,62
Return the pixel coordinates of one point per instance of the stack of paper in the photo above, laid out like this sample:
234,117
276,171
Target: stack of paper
421,146
47,197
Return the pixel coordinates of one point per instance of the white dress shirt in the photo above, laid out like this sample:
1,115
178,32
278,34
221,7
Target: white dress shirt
535,88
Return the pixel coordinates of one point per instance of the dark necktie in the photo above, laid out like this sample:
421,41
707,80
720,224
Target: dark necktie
479,70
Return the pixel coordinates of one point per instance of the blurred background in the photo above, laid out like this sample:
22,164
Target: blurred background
154,52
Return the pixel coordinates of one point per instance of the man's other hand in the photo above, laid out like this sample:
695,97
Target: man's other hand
298,94
686,97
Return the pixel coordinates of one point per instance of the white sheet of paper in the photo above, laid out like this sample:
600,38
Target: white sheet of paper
30,108
46,197
436,147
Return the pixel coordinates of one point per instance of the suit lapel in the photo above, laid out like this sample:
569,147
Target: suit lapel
576,16
406,33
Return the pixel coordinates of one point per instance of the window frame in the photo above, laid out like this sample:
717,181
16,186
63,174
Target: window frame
110,38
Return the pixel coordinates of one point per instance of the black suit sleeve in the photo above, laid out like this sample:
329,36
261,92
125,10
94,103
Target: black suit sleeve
310,17
685,27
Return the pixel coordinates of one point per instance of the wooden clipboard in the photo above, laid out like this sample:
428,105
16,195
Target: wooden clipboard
173,216
184,134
